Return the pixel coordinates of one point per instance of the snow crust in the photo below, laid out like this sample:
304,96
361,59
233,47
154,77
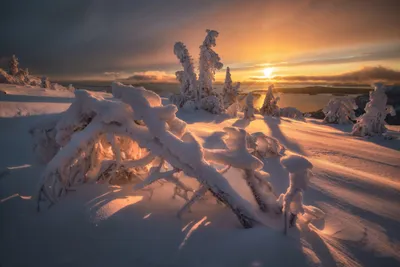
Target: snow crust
355,183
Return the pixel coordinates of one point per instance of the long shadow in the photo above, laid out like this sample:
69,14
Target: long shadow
346,131
273,124
201,116
35,99
215,141
241,123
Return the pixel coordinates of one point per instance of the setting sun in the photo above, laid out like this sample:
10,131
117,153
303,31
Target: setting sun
268,72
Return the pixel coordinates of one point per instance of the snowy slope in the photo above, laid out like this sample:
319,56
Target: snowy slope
356,182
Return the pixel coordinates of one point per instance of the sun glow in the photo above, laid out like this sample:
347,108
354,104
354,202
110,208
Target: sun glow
268,72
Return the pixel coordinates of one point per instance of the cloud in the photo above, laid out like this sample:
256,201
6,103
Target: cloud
112,74
88,37
365,75
151,76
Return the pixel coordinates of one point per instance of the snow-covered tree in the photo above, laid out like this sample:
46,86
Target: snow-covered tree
230,91
372,122
209,62
340,110
45,83
249,108
13,65
26,79
96,135
270,107
292,200
187,77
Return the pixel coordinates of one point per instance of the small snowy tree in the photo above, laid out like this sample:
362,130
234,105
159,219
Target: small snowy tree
13,65
209,62
26,79
230,91
372,122
45,83
340,110
292,201
187,77
249,108
270,106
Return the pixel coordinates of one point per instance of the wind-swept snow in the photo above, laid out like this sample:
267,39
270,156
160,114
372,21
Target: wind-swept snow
356,183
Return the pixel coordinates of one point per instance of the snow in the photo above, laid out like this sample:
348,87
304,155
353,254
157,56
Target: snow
356,183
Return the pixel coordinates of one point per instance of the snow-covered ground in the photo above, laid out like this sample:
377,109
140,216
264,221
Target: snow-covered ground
356,183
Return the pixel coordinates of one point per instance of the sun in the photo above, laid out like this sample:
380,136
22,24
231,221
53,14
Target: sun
268,72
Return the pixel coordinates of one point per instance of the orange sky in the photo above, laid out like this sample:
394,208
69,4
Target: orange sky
102,39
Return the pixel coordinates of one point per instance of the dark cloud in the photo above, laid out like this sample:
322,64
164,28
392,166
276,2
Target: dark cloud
142,78
151,76
86,37
365,75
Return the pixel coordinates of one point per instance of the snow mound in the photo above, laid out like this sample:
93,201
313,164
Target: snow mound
296,163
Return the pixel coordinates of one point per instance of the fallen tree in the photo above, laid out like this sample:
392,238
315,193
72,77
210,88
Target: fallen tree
133,137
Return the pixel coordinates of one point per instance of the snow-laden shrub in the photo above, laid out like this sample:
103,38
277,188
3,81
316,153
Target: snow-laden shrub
265,146
209,62
229,91
189,106
340,110
96,136
6,78
248,110
177,99
372,122
291,112
212,104
232,110
45,83
270,107
238,155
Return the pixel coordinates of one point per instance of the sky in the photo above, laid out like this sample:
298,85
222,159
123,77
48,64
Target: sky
282,40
